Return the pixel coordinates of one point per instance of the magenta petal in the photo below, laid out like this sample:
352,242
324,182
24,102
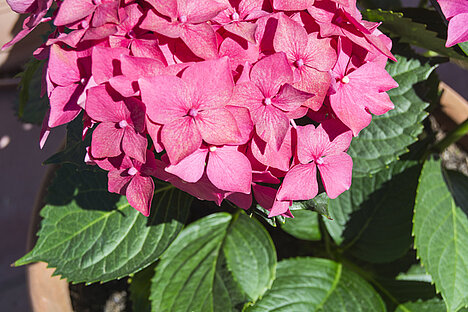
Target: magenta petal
269,156
118,181
63,66
244,122
139,67
210,83
63,107
106,140
104,61
140,193
124,85
180,138
238,53
166,7
291,38
201,39
160,25
218,127
166,98
134,144
191,168
280,208
229,170
300,183
154,130
292,5
457,29
241,200
314,82
247,95
336,171
101,107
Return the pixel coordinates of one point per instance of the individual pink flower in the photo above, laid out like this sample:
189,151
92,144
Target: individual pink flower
133,180
187,21
121,127
323,148
310,58
192,108
238,17
269,96
358,92
456,12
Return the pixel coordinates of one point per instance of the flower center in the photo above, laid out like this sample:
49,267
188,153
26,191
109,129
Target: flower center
345,79
299,63
183,19
193,112
235,16
319,160
213,148
132,171
123,124
267,101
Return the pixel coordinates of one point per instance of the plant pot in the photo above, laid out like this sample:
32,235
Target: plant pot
46,293
453,111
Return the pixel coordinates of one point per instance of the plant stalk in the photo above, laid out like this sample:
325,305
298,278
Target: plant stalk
460,131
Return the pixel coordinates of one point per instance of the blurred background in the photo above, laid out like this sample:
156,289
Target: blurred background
21,169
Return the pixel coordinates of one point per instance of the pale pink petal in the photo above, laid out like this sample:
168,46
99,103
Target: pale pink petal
140,193
210,83
290,38
336,171
103,62
160,25
62,67
71,11
245,30
315,82
269,156
300,183
229,170
457,29
147,48
280,208
244,122
198,11
180,138
100,106
166,7
247,95
106,142
139,67
238,53
124,85
191,168
339,135
166,98
319,53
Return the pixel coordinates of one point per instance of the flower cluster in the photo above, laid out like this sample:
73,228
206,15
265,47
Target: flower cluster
224,99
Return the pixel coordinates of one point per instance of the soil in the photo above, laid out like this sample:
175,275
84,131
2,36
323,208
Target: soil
113,296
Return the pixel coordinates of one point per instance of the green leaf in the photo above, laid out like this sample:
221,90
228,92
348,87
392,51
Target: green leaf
433,305
139,289
249,244
210,262
389,135
441,231
372,220
90,235
313,284
31,108
420,27
318,204
415,273
304,225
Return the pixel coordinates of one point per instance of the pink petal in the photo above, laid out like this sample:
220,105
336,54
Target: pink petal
106,141
100,106
319,53
229,170
241,200
160,25
167,7
290,98
336,171
290,38
134,144
243,121
154,130
270,73
124,85
139,67
63,107
199,11
71,11
166,98
269,156
292,5
62,67
181,138
457,29
218,127
271,125
103,62
118,181
192,167
280,208
140,193
300,183
147,48
247,95
201,40
245,30
106,13
238,53
315,82
210,83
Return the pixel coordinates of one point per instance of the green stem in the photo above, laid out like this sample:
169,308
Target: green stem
460,131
